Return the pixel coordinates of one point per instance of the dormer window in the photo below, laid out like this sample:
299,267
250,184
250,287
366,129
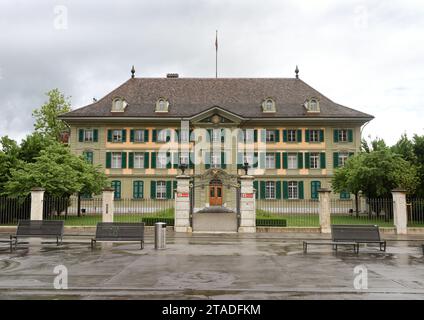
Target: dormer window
268,105
162,105
118,105
312,105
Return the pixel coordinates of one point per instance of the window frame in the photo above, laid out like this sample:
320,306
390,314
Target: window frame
271,134
342,158
118,134
293,190
314,133
317,157
296,161
342,135
215,155
270,190
161,161
161,194
270,160
86,131
113,163
138,164
142,132
291,133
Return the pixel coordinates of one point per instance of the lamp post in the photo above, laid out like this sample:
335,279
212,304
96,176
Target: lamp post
246,167
183,167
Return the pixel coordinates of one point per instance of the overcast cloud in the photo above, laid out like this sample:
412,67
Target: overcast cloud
368,55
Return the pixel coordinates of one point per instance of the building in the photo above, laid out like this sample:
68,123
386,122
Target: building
291,135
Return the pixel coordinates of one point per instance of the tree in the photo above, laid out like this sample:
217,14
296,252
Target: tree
375,174
405,148
58,171
419,156
9,153
47,122
32,146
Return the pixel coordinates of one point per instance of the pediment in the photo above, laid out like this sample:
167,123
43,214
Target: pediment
216,116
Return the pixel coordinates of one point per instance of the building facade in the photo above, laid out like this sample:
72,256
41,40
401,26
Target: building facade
291,136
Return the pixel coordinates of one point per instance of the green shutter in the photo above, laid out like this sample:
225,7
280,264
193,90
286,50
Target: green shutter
168,160
169,189
153,164
277,135
299,135
284,135
176,159
277,160
255,160
154,135
321,135
137,190
124,160
152,188
207,159
300,186
256,187
300,160
108,159
109,135
191,160
285,190
335,160
262,190
95,135
350,135
81,135
146,160
255,135
146,135
222,135
116,184
315,186
177,135
278,190
124,135
132,135
322,160
174,188
130,160
336,135
307,160
307,135
285,160
223,160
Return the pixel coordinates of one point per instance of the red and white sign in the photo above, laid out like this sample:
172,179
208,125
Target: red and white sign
182,194
247,195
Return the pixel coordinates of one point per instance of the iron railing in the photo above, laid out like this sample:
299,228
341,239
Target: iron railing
14,209
415,211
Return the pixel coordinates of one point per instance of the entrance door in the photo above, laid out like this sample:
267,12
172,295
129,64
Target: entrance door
215,195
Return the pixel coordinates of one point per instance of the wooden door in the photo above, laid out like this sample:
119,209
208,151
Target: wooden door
215,195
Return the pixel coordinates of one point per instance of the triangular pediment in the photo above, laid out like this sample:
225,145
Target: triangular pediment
216,116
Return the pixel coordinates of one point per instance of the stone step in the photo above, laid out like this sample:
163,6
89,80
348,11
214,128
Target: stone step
215,222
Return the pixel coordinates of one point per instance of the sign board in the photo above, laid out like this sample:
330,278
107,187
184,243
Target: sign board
247,195
182,194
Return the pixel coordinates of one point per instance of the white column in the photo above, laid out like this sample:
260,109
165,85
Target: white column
247,205
37,198
108,205
400,217
324,210
182,205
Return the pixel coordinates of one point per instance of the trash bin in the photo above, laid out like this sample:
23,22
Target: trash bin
160,235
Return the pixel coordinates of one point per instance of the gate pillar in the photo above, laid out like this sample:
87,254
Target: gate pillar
247,205
182,205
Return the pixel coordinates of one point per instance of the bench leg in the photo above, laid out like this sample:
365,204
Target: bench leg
142,245
356,248
383,246
92,243
57,241
305,247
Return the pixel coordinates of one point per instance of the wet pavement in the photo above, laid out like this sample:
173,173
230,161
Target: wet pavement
212,266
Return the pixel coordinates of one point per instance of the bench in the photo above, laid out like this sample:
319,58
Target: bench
352,235
119,231
10,242
39,229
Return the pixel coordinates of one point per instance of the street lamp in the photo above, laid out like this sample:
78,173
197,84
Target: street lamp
183,167
245,167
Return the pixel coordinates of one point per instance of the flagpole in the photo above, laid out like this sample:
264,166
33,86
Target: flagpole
216,54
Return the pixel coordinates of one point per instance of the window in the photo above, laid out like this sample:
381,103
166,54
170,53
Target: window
249,135
314,135
343,156
216,160
270,161
161,190
268,105
88,135
139,136
118,105
139,160
163,135
116,185
216,135
270,190
116,160
184,158
312,105
293,190
162,160
291,135
315,186
292,161
314,159
270,136
88,156
138,189
342,135
117,136
162,105
344,195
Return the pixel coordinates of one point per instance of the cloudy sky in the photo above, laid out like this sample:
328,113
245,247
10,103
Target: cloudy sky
368,55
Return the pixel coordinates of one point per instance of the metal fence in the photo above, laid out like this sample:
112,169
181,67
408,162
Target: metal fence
377,211
297,213
415,211
14,209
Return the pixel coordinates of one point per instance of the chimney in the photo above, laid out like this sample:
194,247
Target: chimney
172,75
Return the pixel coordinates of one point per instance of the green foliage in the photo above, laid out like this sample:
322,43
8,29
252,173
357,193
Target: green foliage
47,122
375,173
32,145
58,171
9,159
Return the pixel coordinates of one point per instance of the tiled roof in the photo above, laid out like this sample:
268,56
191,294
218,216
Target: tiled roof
190,96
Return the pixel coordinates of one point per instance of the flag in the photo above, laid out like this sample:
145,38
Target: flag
216,41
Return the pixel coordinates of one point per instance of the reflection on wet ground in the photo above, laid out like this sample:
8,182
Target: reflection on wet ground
215,266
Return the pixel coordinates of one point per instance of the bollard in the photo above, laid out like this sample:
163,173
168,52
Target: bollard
160,235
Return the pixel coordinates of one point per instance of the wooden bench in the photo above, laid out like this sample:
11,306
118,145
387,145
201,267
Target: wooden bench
351,235
39,229
119,231
10,242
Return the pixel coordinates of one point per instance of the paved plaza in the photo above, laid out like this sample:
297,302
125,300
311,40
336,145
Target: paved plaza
212,266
